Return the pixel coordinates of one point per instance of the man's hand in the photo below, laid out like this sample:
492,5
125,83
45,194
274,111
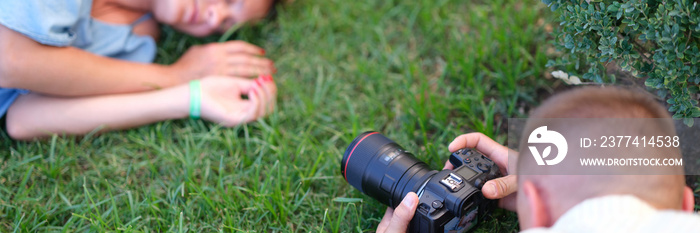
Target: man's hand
233,58
396,221
502,188
222,100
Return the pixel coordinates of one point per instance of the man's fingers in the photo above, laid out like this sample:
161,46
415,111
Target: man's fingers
403,214
448,165
469,140
385,220
504,189
496,152
500,187
509,203
238,46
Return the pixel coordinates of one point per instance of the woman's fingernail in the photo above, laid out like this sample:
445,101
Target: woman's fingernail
262,51
263,78
409,201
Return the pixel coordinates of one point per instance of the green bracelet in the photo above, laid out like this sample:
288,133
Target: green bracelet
195,99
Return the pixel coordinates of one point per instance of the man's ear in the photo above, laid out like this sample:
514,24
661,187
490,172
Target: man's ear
537,211
688,199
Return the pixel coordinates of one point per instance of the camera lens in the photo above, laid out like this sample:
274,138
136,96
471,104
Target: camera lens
380,168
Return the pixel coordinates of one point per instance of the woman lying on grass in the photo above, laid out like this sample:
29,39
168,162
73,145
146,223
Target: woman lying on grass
73,66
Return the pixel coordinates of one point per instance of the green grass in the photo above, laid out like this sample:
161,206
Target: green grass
422,72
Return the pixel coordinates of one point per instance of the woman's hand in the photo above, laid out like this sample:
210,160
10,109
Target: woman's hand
502,188
223,102
232,58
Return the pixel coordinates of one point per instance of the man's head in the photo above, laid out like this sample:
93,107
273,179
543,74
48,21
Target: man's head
542,199
204,17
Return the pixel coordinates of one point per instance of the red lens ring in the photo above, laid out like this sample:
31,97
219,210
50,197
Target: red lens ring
345,170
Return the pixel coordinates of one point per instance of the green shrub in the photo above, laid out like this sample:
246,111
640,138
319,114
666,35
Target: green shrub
653,39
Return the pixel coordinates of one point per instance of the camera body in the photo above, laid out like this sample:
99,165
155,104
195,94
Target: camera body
449,200
442,206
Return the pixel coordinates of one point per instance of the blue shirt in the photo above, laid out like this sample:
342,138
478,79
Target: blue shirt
63,23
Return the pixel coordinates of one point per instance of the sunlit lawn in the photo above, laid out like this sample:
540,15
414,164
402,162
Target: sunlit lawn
422,72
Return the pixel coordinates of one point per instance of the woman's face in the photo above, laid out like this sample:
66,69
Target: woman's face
204,17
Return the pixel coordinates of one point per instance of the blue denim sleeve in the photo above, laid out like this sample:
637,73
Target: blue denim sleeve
7,96
53,22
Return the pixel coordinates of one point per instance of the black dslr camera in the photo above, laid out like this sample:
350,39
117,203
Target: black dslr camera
449,200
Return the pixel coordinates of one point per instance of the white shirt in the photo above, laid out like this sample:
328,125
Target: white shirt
621,214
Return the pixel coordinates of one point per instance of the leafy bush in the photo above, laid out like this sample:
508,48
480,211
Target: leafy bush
653,39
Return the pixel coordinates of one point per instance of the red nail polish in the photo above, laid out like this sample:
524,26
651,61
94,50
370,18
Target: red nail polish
262,51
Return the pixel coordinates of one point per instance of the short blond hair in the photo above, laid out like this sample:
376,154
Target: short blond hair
661,191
